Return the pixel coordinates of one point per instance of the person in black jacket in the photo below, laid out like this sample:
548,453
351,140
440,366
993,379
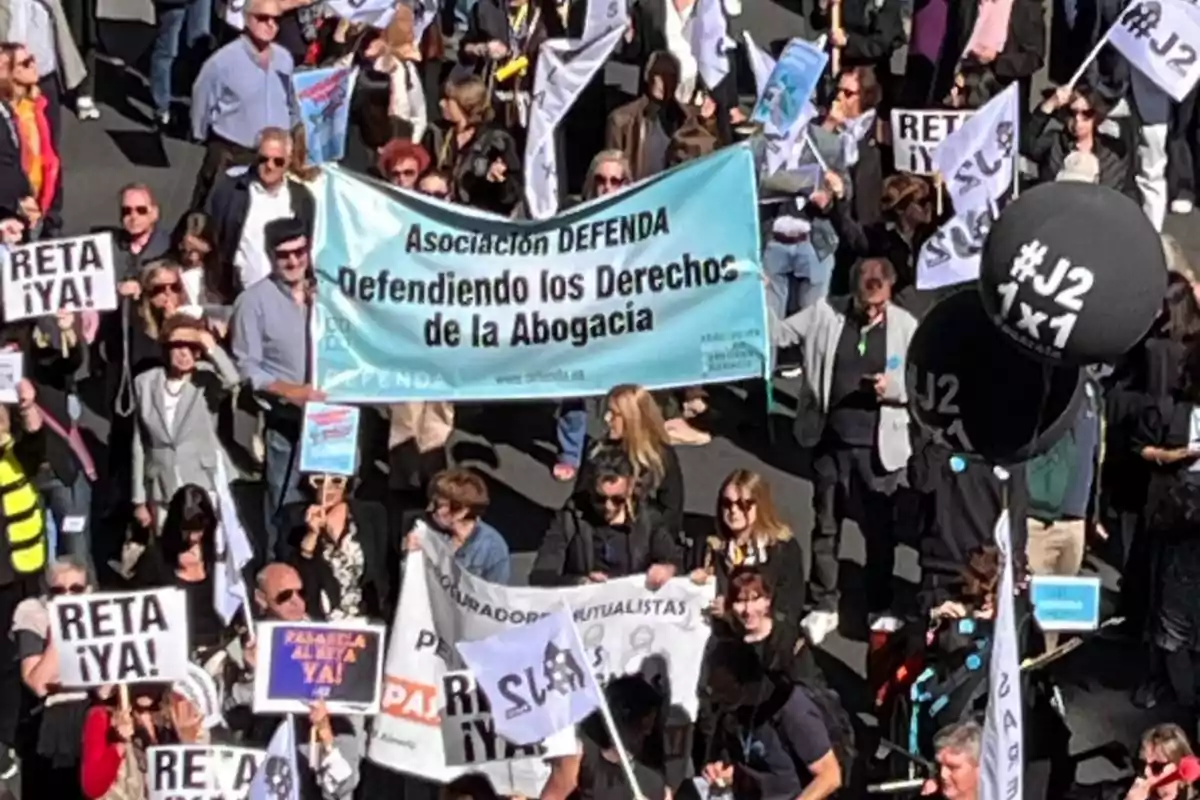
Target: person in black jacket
870,33
1084,111
751,615
342,552
14,183
608,536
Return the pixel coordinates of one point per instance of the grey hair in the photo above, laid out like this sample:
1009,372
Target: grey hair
1177,260
65,564
273,134
961,737
889,269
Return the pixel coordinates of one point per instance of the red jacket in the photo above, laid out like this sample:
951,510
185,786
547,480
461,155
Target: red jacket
101,756
51,164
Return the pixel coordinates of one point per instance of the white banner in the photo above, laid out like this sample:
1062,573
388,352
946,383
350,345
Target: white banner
121,637
200,772
1002,766
564,68
75,274
1161,38
376,13
978,160
951,255
625,628
915,135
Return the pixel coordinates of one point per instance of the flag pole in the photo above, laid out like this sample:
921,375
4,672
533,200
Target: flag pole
606,713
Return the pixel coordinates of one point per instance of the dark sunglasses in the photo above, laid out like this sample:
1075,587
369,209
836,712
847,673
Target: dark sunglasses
74,588
286,595
284,253
177,345
608,500
1084,113
404,173
440,195
275,161
845,92
605,180
1155,767
741,505
141,211
265,18
162,288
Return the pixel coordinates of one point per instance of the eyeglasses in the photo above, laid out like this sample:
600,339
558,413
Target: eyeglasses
141,211
440,194
728,503
162,288
407,172
175,344
265,18
331,481
74,588
609,180
1083,113
290,253
275,161
608,500
846,91
1155,767
286,596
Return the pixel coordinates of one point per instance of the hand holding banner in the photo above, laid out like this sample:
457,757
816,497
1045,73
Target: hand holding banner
75,274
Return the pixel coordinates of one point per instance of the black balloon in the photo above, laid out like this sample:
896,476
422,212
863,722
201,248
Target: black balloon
977,394
1073,272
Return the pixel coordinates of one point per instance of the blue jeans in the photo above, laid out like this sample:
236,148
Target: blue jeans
64,501
572,431
796,278
196,14
282,471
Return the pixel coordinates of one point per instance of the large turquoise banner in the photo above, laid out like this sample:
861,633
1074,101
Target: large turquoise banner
659,285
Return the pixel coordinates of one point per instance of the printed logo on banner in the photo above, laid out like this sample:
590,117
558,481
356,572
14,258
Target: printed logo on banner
561,673
952,254
75,274
938,394
340,663
201,772
916,134
1160,38
119,638
469,733
329,439
1066,284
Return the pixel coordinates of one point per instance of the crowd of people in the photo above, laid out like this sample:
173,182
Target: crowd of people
213,325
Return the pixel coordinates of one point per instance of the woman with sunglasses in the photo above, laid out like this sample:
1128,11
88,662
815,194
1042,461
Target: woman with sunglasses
1161,748
184,556
175,441
1083,111
341,552
51,767
436,184
750,534
402,163
30,123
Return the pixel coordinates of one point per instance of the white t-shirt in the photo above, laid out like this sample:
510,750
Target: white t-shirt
252,260
172,390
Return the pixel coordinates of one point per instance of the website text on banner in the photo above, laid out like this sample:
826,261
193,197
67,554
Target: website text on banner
625,628
659,285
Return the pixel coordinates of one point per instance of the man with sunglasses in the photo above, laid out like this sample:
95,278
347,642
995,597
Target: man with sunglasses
607,535
140,240
240,207
242,89
270,342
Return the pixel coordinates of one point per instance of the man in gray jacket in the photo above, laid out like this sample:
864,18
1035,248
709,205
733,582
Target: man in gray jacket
853,414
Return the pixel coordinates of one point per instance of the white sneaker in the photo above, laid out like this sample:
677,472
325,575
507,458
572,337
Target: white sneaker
819,624
85,108
1182,205
885,622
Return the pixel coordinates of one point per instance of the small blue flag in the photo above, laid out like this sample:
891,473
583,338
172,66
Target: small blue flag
323,101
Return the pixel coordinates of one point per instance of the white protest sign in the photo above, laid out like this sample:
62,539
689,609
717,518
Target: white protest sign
12,369
376,13
121,637
977,161
625,628
1161,38
74,274
200,772
915,134
951,255
469,734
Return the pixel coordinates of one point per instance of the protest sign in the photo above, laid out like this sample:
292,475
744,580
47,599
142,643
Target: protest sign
658,285
200,772
1065,603
121,637
625,628
915,135
73,274
376,13
952,254
12,369
469,731
323,102
1161,38
329,440
301,662
781,102
977,161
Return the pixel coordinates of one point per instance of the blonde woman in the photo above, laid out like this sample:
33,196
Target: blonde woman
636,427
396,55
750,533
1162,748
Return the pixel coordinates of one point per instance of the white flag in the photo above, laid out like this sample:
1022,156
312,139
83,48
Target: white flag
951,255
603,16
277,777
1002,767
536,678
1161,38
564,68
234,552
710,42
761,63
978,160
779,150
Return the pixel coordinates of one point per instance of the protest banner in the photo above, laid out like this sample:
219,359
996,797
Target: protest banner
915,135
625,627
121,637
952,254
323,103
12,369
301,662
469,732
978,161
782,100
73,274
200,772
329,439
658,285
1161,38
